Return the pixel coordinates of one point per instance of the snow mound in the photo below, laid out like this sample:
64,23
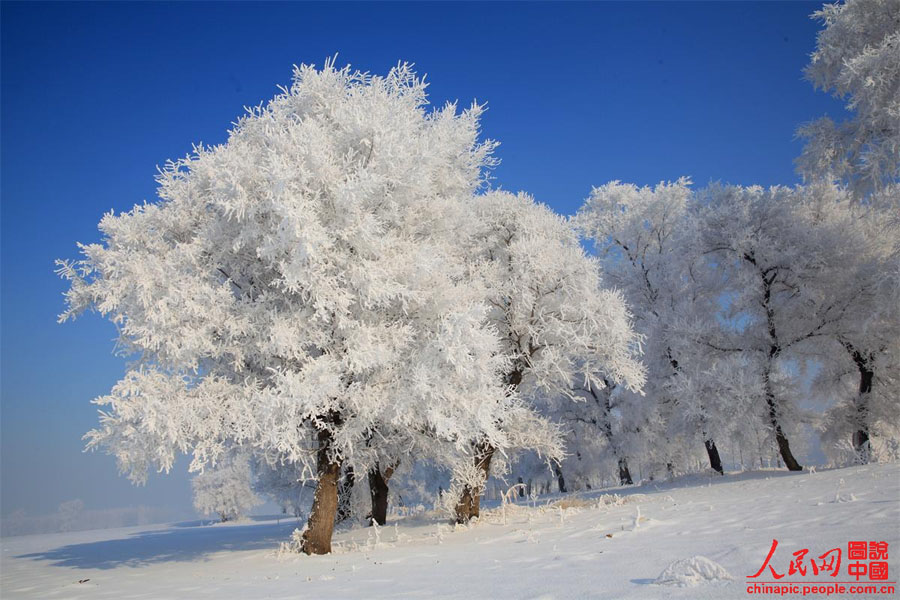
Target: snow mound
693,571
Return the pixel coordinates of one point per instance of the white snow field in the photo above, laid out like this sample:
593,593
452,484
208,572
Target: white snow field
618,543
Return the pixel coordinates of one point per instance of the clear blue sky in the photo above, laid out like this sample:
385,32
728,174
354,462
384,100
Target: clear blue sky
94,96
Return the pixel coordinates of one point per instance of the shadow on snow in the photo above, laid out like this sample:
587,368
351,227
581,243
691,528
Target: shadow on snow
183,544
195,540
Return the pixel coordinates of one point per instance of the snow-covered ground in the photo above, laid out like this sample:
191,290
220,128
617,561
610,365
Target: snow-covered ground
603,544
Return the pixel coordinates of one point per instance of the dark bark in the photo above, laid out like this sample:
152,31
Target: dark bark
345,492
768,277
557,470
715,461
861,435
624,473
784,447
378,488
469,504
866,378
317,537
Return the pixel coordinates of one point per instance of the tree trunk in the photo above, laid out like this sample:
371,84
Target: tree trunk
317,537
345,493
469,504
378,488
715,461
624,473
557,470
866,377
767,278
784,446
861,435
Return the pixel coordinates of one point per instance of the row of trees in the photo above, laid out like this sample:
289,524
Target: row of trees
744,295
333,296
735,291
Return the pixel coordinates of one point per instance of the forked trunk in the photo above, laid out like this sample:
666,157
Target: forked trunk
715,461
624,473
469,504
317,537
378,488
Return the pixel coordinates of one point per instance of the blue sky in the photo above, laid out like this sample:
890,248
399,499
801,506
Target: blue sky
94,96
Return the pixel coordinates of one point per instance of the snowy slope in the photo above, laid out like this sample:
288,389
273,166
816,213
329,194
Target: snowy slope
604,544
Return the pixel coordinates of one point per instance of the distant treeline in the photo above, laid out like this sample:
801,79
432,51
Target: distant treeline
72,516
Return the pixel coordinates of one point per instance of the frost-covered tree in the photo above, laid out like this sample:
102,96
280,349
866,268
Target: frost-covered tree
856,59
298,287
861,367
773,252
559,328
283,484
225,490
644,237
606,427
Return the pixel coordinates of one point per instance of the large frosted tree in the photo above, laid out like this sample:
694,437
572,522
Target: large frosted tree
296,288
